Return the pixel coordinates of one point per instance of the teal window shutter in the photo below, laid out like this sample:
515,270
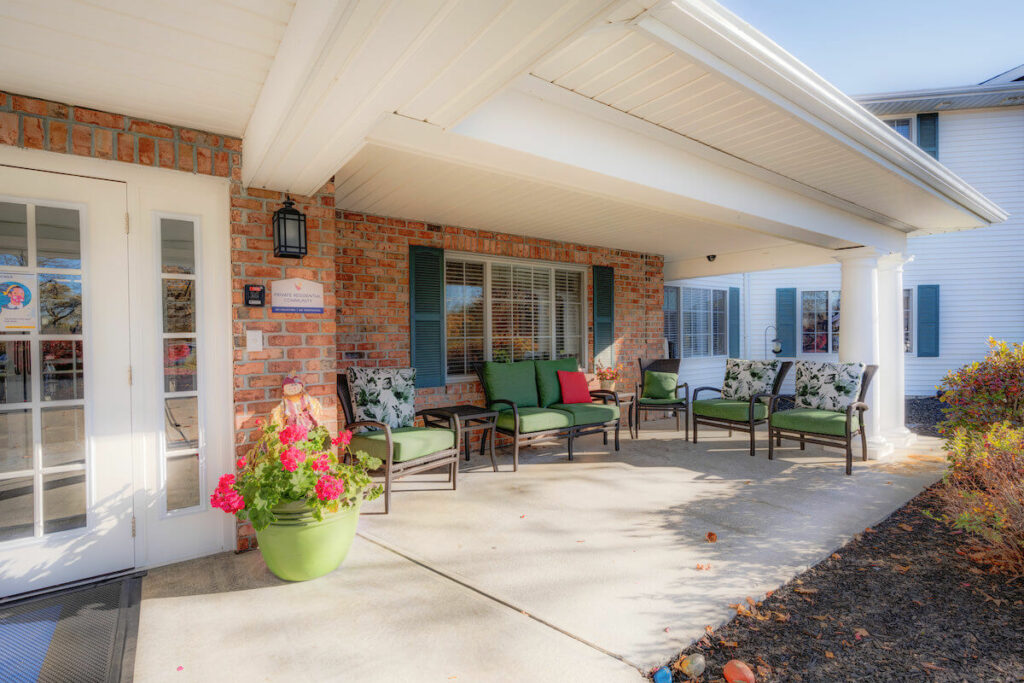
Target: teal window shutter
928,321
785,320
734,322
426,312
928,133
604,315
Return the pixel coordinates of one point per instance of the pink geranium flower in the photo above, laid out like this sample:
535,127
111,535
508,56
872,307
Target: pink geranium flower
321,464
292,434
240,464
291,458
343,439
329,488
226,497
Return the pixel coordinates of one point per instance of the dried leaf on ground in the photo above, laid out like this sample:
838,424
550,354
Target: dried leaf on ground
805,591
703,567
711,537
728,643
905,527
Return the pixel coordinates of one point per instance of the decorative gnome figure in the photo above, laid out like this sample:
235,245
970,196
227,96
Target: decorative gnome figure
297,407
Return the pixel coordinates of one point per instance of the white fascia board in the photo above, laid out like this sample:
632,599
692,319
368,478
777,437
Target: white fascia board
530,137
790,256
719,40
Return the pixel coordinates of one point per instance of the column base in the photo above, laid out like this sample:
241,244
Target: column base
879,448
900,437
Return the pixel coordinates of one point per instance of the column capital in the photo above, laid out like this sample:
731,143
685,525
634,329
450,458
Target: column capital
894,261
867,255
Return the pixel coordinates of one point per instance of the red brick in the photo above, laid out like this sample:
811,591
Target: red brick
125,147
204,160
147,151
58,139
43,108
99,118
303,353
157,130
8,128
262,271
104,143
248,368
166,148
32,132
220,164
185,153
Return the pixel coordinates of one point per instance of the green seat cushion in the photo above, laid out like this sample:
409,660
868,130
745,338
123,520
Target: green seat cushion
661,401
516,382
535,419
548,389
725,409
589,413
409,442
811,421
660,384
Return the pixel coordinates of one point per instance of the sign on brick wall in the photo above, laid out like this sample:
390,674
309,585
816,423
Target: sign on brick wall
296,295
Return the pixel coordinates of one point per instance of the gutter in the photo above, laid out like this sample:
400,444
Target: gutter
706,32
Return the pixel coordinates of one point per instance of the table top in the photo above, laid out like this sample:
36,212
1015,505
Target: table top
467,412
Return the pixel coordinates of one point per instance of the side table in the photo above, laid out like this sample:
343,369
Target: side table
627,400
471,419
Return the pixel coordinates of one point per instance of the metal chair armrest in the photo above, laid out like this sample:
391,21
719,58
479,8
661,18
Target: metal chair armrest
700,389
605,394
381,427
515,412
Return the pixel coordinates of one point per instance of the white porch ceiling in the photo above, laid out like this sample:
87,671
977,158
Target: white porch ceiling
196,63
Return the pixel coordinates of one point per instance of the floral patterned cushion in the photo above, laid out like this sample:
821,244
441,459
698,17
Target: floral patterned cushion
744,378
827,386
383,394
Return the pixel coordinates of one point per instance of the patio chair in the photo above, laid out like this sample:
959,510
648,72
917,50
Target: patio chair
382,402
658,392
746,389
827,395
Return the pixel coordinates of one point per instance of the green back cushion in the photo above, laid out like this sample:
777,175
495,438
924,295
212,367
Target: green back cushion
660,384
548,389
516,382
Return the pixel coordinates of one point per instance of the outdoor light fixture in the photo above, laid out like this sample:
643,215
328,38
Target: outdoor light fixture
776,343
289,231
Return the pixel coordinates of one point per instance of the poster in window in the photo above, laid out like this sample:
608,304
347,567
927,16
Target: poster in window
18,303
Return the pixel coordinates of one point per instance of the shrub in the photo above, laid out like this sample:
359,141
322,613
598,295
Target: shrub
986,392
983,493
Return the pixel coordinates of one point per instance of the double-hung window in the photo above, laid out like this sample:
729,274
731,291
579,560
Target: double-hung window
904,126
705,322
509,311
819,321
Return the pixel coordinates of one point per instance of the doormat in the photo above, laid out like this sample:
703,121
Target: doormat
83,634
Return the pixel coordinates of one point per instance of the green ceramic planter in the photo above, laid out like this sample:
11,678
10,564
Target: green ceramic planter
297,547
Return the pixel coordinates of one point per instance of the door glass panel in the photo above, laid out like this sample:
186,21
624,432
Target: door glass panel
63,501
181,423
63,431
15,508
63,370
15,440
179,306
13,234
179,365
58,238
182,482
60,304
15,372
177,246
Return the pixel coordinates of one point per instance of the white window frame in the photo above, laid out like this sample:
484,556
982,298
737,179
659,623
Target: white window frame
711,323
800,321
488,261
913,125
912,321
201,351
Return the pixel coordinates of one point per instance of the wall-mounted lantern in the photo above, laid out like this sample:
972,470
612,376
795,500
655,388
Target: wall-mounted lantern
289,231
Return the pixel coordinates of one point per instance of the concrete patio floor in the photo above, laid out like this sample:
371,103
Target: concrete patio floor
562,571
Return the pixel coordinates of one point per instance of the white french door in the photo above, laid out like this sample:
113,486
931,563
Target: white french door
66,474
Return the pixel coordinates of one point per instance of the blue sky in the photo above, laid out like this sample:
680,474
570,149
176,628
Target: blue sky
866,46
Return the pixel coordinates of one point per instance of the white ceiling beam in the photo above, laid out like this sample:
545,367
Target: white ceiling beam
730,261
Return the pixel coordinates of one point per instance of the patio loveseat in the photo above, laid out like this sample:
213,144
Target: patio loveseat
827,395
527,396
743,404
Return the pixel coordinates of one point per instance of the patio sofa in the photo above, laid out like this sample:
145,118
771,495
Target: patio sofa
827,395
527,396
743,404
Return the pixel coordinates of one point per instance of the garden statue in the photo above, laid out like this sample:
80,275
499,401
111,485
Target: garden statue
297,407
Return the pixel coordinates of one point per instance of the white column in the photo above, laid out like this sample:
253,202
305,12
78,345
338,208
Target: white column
859,332
891,372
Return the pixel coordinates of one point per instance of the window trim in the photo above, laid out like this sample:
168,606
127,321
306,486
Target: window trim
800,322
913,125
473,257
711,313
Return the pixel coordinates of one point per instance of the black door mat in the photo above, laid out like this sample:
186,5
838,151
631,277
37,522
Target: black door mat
86,634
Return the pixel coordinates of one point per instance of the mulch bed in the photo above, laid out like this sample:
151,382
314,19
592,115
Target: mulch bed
923,415
897,603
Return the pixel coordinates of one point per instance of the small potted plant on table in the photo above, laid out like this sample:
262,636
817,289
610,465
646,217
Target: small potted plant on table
302,499
609,376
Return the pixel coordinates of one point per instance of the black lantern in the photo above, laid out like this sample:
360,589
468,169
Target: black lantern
289,231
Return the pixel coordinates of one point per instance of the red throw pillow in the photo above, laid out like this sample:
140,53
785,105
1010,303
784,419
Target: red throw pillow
574,387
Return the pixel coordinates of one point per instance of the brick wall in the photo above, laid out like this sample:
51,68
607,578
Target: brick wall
373,292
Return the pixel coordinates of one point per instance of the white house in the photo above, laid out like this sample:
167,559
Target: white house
959,288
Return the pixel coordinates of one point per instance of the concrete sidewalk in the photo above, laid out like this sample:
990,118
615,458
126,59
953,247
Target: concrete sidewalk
562,571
